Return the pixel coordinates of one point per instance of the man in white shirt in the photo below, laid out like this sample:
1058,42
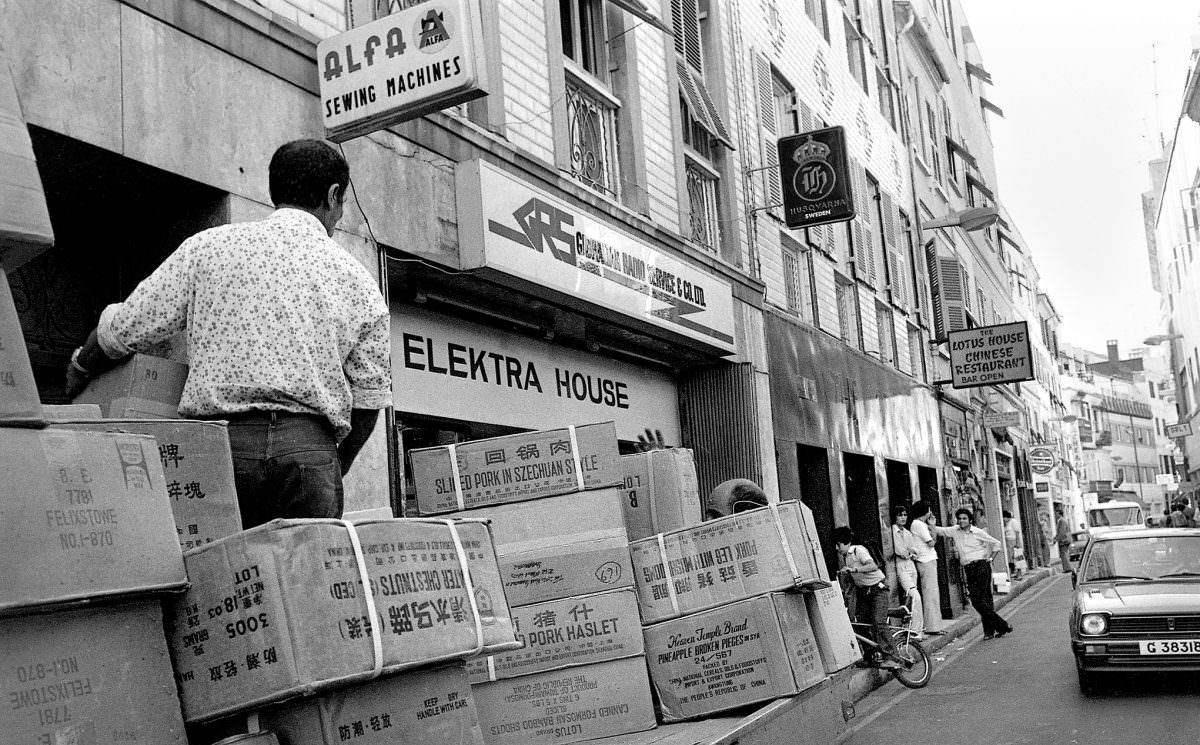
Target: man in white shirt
921,515
288,339
975,550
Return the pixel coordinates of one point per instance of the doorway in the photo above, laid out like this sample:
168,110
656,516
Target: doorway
899,482
816,492
862,497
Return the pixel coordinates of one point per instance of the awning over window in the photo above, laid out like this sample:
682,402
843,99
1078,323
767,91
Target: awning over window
691,85
961,151
25,229
979,72
982,187
639,10
991,106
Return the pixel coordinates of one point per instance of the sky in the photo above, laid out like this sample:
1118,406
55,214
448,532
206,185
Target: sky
1077,82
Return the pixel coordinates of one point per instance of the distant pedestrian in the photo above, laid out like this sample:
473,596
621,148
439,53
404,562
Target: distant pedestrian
976,549
863,568
921,516
1012,538
1062,537
904,553
1189,512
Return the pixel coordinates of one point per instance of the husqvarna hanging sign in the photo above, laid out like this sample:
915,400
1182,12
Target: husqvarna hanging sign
815,173
508,225
421,59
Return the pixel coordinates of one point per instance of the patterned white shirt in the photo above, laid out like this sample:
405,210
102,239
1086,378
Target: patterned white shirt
279,317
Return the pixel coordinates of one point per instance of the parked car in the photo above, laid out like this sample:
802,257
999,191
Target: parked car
1137,604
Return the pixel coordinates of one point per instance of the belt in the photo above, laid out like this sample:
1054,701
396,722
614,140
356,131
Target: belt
977,561
265,417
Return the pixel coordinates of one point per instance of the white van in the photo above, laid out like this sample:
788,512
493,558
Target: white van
1115,514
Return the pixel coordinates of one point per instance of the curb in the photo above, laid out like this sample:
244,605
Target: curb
865,680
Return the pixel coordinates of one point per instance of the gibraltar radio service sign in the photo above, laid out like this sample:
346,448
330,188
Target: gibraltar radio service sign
424,58
816,178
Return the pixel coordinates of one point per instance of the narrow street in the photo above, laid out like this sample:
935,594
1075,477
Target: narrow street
1022,689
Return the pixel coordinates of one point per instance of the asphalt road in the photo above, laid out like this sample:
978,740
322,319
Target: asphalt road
1022,689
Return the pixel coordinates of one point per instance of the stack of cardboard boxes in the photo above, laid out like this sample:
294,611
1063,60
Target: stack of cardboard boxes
89,545
552,499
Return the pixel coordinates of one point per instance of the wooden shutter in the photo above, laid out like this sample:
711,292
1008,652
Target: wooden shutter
768,127
946,277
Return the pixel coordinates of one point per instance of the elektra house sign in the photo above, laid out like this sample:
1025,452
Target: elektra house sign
508,225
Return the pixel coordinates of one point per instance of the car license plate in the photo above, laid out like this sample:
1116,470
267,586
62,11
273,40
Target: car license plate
1173,646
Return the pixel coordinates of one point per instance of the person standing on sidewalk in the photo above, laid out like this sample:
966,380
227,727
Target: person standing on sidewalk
920,518
288,339
1062,537
904,553
1012,538
976,549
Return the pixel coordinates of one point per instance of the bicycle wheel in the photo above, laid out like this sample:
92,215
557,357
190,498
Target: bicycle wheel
916,669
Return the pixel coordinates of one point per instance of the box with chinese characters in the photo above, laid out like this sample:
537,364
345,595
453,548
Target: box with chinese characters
572,544
725,560
425,707
198,469
574,704
737,654
661,492
94,676
512,468
570,631
296,606
83,517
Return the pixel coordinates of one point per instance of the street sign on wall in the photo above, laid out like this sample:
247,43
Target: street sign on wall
1183,429
816,178
1002,419
421,59
988,355
1042,460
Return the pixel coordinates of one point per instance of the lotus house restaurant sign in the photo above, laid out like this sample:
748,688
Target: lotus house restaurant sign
508,225
421,59
987,355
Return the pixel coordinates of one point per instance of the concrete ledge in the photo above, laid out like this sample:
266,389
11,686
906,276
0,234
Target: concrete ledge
864,680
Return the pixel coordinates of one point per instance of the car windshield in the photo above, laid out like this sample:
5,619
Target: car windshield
1149,557
1114,516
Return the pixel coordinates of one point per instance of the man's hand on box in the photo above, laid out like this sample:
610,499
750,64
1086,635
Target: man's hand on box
651,440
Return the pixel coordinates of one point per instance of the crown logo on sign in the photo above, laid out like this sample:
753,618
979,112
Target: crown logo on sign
809,151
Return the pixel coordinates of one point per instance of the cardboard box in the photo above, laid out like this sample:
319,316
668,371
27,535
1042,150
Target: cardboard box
661,492
724,560
423,707
570,631
831,625
19,401
70,412
91,676
83,516
574,544
141,387
738,654
280,610
564,706
198,469
513,468
25,229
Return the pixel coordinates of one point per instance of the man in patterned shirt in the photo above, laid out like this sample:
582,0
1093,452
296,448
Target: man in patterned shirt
287,339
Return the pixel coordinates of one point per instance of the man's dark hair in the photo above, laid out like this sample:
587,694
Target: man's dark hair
964,511
302,171
919,510
843,534
898,511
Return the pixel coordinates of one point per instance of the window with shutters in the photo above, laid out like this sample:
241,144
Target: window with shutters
778,112
886,97
886,327
799,291
934,152
848,320
865,229
818,14
855,54
916,353
591,106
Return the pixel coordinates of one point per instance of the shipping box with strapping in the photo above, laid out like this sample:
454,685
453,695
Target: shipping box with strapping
141,387
93,676
661,492
733,655
84,516
19,401
556,547
513,468
198,468
429,707
297,606
831,625
725,560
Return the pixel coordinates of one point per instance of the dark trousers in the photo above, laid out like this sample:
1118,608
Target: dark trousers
285,465
979,585
871,608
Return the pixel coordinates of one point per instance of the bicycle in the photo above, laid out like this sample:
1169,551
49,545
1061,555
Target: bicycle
914,666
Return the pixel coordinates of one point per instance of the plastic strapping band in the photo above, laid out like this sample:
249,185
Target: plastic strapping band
252,723
491,665
575,457
375,631
469,585
456,475
783,539
662,554
651,502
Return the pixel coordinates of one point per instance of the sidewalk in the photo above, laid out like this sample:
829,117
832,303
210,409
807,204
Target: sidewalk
864,680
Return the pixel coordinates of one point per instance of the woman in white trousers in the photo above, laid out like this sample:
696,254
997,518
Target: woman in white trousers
925,560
